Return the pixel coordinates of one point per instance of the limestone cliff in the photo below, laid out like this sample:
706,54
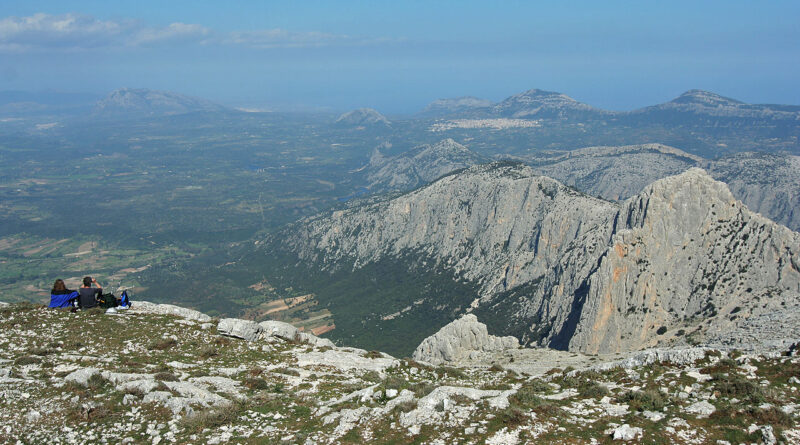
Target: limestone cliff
570,271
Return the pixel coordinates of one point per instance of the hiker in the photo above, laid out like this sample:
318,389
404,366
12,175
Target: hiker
89,294
61,297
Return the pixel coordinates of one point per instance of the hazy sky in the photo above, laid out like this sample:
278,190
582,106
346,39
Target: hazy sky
397,56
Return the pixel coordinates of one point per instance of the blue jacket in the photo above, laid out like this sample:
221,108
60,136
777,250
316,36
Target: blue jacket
63,300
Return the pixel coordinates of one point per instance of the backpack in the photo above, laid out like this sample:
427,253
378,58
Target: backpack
106,301
124,300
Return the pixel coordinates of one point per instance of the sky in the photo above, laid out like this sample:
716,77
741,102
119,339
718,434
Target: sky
397,56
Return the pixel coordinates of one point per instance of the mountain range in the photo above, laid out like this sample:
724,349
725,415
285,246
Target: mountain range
768,183
549,264
541,104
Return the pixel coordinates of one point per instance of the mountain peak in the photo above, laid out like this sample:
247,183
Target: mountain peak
363,116
706,98
541,103
152,102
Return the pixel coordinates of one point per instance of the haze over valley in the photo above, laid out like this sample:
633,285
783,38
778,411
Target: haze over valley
357,230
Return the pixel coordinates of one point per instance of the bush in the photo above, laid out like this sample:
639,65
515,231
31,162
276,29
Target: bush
162,345
166,377
208,352
27,360
594,390
739,387
255,383
647,400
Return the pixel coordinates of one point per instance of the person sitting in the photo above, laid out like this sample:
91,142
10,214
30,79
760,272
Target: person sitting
61,297
87,294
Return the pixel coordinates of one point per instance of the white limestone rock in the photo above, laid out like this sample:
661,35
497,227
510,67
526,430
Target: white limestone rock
244,329
457,340
82,376
169,309
702,409
626,432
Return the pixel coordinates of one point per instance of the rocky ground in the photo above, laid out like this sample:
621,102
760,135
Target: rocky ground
162,374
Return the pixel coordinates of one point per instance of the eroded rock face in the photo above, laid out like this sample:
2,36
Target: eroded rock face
573,272
460,339
418,166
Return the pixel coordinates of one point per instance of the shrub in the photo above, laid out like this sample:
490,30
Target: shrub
594,390
27,360
162,345
255,383
647,400
208,352
739,387
166,377
373,354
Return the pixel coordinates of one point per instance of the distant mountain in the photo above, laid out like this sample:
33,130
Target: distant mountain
418,166
144,102
536,104
366,117
459,105
768,183
543,262
704,103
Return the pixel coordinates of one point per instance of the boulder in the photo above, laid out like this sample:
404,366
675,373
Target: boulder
459,339
82,376
169,309
244,329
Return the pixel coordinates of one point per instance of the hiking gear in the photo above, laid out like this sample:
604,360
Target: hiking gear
124,300
107,301
63,300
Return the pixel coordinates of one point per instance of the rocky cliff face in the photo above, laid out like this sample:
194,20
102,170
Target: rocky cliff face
571,271
685,254
767,183
418,166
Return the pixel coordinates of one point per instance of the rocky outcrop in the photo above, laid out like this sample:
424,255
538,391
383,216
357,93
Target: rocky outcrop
169,309
418,166
252,331
462,339
556,267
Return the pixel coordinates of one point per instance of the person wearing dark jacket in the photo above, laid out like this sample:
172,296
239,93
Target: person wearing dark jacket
88,294
61,297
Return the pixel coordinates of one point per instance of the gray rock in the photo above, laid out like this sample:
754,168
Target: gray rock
626,432
82,376
279,329
244,329
457,340
169,309
701,409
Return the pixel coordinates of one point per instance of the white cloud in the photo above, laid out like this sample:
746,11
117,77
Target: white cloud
280,38
77,32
